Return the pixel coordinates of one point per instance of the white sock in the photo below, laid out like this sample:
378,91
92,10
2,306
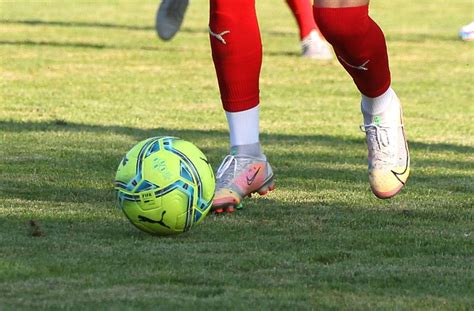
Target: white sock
244,126
384,109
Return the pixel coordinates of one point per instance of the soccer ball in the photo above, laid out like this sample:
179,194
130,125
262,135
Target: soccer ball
165,185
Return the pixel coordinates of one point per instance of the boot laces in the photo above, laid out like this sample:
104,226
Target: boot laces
382,144
229,168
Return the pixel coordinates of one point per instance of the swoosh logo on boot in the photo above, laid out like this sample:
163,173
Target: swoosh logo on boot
251,180
396,174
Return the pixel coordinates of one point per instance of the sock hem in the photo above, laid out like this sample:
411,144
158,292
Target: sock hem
241,104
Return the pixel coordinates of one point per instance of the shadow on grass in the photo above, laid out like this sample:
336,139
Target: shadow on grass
61,125
301,246
282,53
313,233
85,45
338,160
77,24
415,37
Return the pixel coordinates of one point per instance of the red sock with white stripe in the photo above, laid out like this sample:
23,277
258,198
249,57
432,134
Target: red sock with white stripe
359,45
236,52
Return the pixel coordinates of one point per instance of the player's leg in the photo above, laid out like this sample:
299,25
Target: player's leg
169,17
360,47
237,55
313,44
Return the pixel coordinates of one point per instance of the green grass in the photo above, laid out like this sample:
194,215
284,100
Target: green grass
82,82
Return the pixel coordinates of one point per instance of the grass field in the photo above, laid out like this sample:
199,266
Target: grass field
82,81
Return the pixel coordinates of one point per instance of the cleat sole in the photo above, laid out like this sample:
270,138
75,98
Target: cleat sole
230,207
267,187
388,194
218,210
226,209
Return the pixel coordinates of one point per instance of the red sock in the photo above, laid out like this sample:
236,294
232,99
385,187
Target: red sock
236,52
359,45
304,16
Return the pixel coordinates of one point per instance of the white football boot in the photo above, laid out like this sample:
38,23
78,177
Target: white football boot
467,32
315,47
240,176
388,155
